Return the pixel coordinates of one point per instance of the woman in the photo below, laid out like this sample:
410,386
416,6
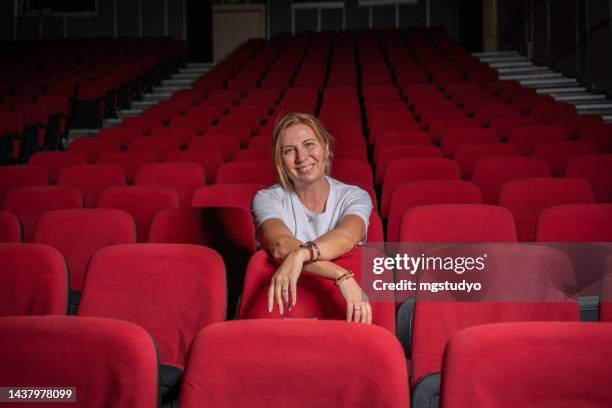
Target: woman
308,218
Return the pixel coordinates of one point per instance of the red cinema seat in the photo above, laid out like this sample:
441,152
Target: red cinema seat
54,162
34,281
227,145
468,155
387,154
529,137
453,139
145,123
91,179
558,154
440,127
141,202
399,137
402,170
170,290
182,177
239,131
226,195
130,162
254,154
316,297
20,176
575,223
212,373
485,114
605,298
575,123
30,203
181,135
247,172
597,170
543,273
228,230
600,135
457,223
351,171
77,234
10,227
120,136
506,124
426,192
470,381
548,112
491,174
210,160
160,146
527,198
84,353
93,147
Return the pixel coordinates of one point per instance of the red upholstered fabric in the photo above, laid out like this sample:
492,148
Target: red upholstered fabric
237,130
34,280
160,146
605,297
415,193
182,135
441,126
182,177
316,297
223,370
575,223
527,198
486,114
10,227
141,202
491,174
130,162
506,124
468,155
171,290
436,322
226,195
227,145
388,153
549,112
477,375
247,172
402,170
250,154
109,362
352,171
529,137
597,170
120,135
54,162
210,160
93,147
394,137
30,203
453,139
600,135
575,123
92,179
457,223
20,176
558,154
78,234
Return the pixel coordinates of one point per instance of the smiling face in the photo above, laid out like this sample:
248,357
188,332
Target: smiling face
304,157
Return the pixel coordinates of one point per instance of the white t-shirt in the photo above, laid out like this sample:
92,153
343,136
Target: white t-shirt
343,199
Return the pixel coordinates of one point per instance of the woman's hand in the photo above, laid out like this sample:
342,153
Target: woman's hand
358,307
283,285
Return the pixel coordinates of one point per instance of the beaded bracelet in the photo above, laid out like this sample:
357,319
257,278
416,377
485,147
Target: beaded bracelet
345,276
313,250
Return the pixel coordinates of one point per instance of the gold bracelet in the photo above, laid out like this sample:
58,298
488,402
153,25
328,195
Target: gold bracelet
345,276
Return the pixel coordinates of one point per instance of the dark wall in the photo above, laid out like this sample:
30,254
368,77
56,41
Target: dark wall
572,36
442,13
123,18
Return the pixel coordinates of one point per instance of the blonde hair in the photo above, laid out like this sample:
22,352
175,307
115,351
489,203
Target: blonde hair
292,119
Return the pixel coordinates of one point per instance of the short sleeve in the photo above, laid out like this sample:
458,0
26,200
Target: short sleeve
266,205
357,202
